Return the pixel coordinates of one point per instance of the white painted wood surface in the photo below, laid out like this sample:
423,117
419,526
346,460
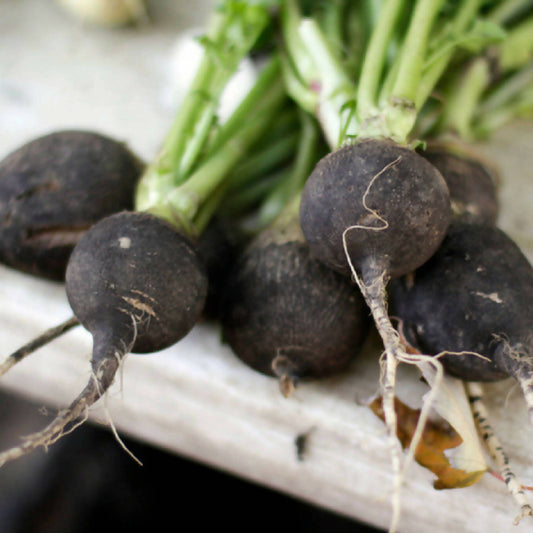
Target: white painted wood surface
196,399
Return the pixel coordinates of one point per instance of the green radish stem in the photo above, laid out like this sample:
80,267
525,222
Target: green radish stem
394,119
182,203
233,29
374,60
492,88
506,10
258,199
255,175
268,156
285,195
436,64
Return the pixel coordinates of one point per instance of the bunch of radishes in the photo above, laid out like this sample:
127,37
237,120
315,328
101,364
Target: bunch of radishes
340,185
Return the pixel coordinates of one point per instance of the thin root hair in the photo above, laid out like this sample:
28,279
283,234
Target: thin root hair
114,430
38,342
368,208
520,351
465,352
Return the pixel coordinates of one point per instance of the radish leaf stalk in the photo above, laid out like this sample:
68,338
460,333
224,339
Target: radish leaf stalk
484,92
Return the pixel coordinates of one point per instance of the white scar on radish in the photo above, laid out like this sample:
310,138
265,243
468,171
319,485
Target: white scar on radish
514,485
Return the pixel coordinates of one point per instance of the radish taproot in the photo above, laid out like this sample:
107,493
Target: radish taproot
501,459
53,189
136,280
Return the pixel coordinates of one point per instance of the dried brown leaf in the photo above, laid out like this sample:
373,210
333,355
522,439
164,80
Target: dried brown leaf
437,437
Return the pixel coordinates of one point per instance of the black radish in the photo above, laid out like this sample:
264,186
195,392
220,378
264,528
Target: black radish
285,314
374,209
471,180
53,189
471,305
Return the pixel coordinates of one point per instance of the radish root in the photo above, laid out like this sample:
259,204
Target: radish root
514,485
395,354
75,414
523,372
46,337
121,443
374,294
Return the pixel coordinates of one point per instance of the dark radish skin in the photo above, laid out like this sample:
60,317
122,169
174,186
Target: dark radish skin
285,314
471,303
467,290
54,188
375,204
157,296
219,248
471,179
137,285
